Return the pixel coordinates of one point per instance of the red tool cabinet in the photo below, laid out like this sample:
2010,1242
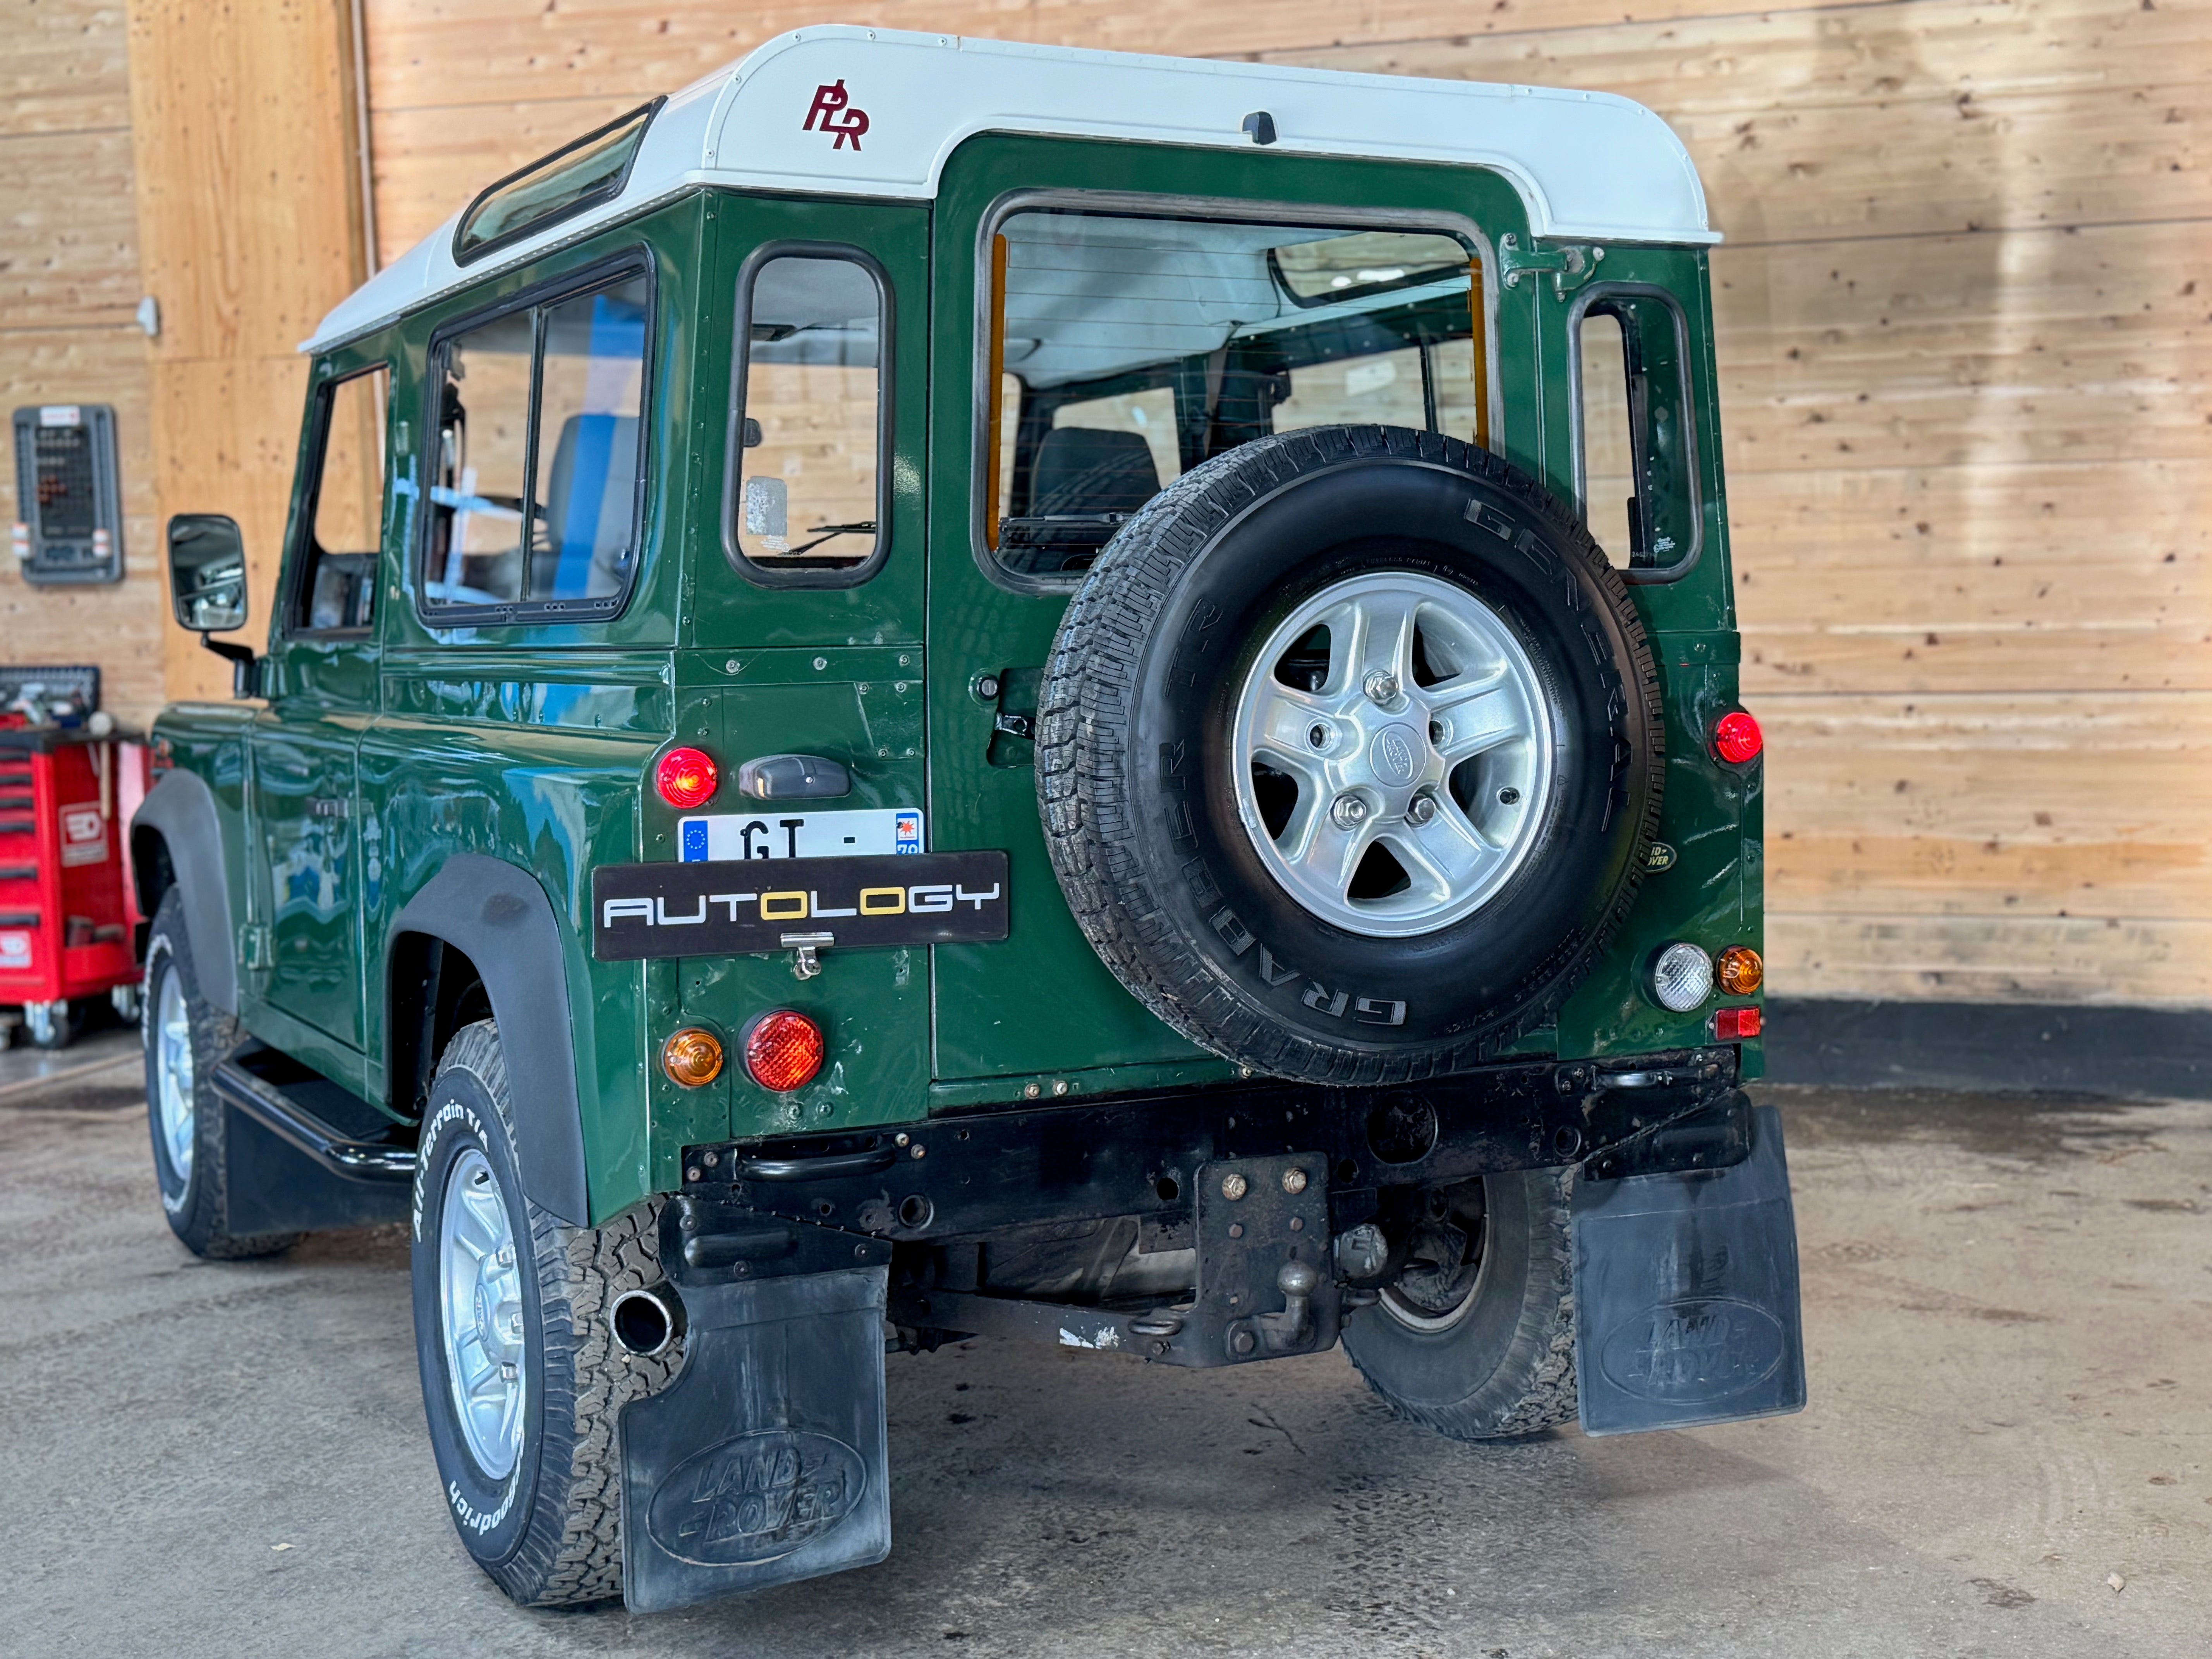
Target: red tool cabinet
67,913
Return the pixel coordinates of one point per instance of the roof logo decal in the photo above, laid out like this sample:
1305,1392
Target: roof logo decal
834,111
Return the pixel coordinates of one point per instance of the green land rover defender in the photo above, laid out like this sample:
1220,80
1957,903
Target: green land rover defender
941,688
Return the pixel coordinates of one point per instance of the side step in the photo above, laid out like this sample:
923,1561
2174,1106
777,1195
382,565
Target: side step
289,1169
268,1104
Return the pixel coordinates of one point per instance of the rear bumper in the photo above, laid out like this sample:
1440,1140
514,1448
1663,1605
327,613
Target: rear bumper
749,1209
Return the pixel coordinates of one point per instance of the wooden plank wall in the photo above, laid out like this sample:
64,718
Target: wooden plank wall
251,227
68,288
1965,355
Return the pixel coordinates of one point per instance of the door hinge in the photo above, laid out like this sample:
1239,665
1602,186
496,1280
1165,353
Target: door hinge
254,947
1570,266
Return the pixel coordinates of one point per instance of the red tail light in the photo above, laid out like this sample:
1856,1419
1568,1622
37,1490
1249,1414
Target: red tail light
686,778
1737,739
783,1050
1734,1025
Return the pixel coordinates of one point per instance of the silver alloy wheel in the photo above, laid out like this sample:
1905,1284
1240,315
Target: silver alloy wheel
480,1314
175,1106
1426,736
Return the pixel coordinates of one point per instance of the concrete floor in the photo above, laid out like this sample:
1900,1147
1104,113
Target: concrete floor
2009,1318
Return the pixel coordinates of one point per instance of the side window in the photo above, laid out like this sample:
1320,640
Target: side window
1126,350
1638,456
336,588
590,388
536,464
806,455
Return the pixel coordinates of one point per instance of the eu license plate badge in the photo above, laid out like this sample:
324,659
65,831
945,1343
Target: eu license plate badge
858,832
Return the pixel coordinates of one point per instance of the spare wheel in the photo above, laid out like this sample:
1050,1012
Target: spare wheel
1349,753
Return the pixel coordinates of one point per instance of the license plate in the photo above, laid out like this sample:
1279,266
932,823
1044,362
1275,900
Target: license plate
720,837
745,907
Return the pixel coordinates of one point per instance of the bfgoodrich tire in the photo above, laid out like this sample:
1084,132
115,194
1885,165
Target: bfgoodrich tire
1349,753
185,1035
522,1383
1479,1343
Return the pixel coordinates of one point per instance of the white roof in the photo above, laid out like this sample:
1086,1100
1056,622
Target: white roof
1587,164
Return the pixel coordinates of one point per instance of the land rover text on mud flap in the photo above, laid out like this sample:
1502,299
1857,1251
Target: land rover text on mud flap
943,688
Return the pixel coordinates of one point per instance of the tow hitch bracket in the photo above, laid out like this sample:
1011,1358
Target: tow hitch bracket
1265,1288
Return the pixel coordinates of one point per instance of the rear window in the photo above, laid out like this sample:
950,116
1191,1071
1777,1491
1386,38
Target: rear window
1124,350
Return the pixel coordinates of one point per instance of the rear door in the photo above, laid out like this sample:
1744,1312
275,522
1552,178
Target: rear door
1042,1002
1110,317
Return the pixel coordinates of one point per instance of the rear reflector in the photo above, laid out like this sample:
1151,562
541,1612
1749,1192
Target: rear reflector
1734,1025
783,1050
1737,739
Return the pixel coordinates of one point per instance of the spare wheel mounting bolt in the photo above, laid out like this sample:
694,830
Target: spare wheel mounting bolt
1421,808
1350,811
1381,686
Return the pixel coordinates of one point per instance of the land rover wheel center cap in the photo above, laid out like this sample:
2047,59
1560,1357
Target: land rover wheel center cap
1397,757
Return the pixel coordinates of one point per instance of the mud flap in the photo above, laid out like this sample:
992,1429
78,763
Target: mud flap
271,1186
764,1462
1686,1294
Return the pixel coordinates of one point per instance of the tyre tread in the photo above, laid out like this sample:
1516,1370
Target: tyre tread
203,1226
571,1549
1533,1386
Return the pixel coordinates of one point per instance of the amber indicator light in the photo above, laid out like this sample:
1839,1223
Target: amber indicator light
686,778
1737,739
783,1050
1741,970
692,1058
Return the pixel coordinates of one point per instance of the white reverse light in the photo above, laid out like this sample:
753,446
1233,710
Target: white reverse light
1682,977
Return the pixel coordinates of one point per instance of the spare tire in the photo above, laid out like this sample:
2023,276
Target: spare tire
1349,754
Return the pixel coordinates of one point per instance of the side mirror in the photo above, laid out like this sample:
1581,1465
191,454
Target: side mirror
207,571
207,587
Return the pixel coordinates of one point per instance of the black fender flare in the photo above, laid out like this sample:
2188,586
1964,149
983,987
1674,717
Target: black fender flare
180,811
499,917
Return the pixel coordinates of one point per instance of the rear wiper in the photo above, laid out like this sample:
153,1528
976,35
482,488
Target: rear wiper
1030,520
822,532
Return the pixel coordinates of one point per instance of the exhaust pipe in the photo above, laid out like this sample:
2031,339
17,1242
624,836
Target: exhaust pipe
647,1323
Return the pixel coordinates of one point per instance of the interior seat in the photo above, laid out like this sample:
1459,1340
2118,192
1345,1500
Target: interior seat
591,499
